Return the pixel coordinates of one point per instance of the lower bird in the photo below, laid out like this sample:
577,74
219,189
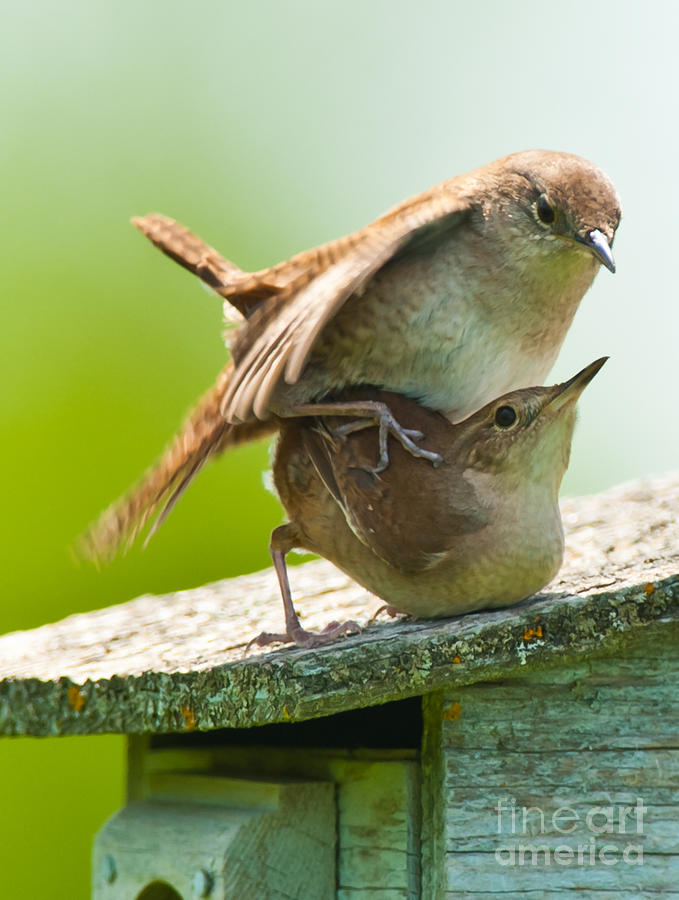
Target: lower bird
481,531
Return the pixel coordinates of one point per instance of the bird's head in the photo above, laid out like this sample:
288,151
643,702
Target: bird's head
559,196
525,435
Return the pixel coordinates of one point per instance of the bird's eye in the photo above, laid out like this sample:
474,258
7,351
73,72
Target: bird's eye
545,211
505,416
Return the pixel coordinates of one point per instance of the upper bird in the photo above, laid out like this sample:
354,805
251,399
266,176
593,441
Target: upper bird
452,298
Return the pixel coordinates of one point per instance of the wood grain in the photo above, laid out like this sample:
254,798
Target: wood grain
178,662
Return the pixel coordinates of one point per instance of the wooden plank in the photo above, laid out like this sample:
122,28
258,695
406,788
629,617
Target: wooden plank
174,663
544,893
525,793
379,825
600,704
274,841
530,813
378,805
434,801
569,760
471,874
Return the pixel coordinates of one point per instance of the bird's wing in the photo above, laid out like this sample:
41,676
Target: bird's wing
411,513
276,340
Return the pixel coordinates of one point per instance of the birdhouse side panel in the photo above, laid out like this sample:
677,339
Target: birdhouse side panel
565,779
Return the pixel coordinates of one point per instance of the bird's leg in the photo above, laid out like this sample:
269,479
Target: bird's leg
370,413
283,539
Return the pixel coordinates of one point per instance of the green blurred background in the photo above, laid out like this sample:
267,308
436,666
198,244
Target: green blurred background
268,127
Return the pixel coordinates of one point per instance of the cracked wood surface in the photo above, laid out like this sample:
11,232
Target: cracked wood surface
178,662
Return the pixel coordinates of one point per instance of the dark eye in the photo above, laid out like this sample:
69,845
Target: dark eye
505,416
545,210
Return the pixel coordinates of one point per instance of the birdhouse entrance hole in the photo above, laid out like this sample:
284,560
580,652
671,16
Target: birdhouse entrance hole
159,890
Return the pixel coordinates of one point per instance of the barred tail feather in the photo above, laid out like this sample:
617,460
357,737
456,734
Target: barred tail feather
189,251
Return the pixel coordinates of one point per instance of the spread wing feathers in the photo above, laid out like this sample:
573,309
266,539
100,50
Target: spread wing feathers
276,340
203,435
287,305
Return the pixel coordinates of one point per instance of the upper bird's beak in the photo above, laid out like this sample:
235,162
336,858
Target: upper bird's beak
570,390
597,242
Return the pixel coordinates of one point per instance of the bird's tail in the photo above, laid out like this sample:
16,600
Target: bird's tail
189,251
243,291
204,434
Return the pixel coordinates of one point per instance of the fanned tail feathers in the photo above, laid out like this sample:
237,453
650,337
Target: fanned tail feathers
204,435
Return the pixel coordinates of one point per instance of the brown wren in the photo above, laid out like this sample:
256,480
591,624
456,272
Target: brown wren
483,530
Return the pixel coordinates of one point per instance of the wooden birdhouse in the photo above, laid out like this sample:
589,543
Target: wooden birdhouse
527,752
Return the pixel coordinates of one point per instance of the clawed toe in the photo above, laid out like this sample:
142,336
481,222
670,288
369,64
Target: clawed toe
306,639
387,608
370,413
406,437
341,629
331,632
267,637
343,431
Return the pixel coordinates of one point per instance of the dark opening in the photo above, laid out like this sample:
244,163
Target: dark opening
391,725
159,890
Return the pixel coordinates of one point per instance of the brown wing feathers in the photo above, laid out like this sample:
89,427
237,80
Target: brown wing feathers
286,306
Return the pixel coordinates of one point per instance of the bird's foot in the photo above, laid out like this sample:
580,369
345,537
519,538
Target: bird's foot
307,639
367,414
387,425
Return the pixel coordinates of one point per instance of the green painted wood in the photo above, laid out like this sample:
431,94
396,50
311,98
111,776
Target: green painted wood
247,838
627,707
377,796
542,892
546,768
379,830
657,877
433,798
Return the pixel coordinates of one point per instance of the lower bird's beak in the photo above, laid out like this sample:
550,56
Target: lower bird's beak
597,242
570,390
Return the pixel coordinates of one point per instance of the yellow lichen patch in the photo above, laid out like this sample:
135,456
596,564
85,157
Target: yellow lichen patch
452,714
532,634
189,718
75,698
286,715
648,590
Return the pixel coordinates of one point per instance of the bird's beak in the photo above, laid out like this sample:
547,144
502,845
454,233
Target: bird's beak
597,242
570,390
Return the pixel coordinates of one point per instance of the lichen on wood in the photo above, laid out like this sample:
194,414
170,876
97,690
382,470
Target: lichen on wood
178,663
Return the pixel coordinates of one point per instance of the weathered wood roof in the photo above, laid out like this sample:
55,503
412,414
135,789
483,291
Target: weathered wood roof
177,662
